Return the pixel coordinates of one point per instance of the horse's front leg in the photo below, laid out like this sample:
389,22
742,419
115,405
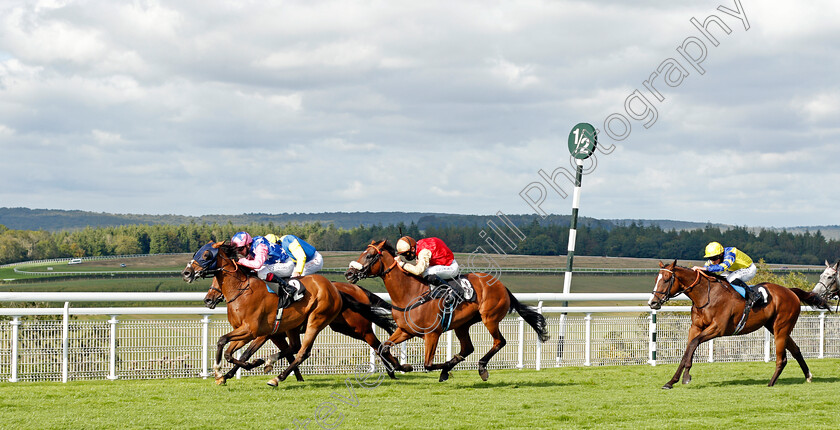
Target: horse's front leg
238,335
710,332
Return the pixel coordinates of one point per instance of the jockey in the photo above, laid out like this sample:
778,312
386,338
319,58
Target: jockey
733,264
430,259
304,259
268,259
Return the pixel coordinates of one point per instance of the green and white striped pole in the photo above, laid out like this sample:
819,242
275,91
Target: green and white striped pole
582,142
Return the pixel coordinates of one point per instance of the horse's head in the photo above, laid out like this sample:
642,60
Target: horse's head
829,283
203,264
214,295
666,286
369,264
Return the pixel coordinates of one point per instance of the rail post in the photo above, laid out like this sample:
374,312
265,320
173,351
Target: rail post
205,345
520,363
767,341
539,344
652,338
587,361
112,348
449,344
15,324
822,335
711,351
65,343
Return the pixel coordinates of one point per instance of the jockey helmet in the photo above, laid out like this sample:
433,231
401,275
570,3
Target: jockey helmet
713,249
406,245
241,239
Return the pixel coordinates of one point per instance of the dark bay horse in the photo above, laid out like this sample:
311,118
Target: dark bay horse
352,323
493,302
252,310
717,308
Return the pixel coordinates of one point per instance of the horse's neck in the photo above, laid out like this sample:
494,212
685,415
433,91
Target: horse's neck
231,279
402,287
692,285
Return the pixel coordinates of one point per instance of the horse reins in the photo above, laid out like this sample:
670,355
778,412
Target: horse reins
425,298
687,289
246,281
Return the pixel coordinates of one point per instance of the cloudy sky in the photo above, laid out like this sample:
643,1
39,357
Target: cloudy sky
208,107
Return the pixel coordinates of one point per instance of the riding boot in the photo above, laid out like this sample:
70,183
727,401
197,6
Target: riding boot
751,296
284,291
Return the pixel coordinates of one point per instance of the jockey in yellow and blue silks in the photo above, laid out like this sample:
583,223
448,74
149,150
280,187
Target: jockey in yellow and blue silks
304,258
733,264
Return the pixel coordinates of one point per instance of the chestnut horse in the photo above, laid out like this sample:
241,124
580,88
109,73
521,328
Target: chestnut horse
421,317
717,308
252,310
350,323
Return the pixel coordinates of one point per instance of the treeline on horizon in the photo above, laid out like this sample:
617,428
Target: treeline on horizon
633,240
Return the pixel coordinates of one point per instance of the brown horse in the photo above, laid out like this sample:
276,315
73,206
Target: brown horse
421,317
252,310
350,323
717,308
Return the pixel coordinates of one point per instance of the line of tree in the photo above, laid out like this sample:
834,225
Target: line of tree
632,240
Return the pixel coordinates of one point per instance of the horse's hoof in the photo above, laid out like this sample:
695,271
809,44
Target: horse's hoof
444,375
258,362
220,381
392,375
687,380
407,368
268,368
483,373
667,387
273,383
810,376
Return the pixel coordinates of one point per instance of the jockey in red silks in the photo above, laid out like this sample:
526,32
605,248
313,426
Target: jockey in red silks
430,259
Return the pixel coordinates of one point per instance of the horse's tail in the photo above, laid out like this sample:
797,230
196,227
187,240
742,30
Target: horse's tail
377,314
375,300
531,316
811,299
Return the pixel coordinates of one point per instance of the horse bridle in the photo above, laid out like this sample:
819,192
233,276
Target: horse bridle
364,272
835,279
235,272
668,296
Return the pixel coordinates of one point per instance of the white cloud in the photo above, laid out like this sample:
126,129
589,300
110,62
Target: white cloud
135,104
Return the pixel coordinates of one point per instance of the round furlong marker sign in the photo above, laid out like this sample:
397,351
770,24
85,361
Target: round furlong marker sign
582,141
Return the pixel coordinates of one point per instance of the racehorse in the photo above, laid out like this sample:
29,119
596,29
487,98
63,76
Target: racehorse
350,323
252,309
717,308
829,284
417,314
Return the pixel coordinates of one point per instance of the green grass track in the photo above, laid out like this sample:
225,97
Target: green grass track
722,395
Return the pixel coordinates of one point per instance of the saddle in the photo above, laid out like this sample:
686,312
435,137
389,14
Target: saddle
765,296
762,301
453,292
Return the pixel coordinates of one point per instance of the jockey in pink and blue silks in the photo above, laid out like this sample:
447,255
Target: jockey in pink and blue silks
268,259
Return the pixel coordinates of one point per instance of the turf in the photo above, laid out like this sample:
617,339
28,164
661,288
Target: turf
721,395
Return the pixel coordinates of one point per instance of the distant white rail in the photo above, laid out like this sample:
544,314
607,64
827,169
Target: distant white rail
65,347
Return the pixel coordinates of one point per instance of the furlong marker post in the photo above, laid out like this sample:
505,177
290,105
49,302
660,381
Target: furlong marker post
582,142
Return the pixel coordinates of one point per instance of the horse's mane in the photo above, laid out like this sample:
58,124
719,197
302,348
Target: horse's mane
228,249
386,246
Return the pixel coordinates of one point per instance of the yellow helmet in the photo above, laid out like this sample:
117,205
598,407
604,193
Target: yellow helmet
271,237
713,249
